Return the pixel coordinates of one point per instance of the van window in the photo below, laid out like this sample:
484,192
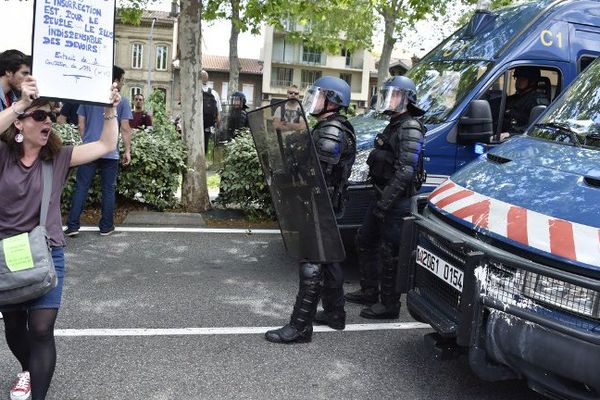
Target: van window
575,119
585,62
526,87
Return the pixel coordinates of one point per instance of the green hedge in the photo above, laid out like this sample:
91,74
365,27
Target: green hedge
243,184
157,163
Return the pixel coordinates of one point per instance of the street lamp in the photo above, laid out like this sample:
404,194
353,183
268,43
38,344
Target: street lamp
148,90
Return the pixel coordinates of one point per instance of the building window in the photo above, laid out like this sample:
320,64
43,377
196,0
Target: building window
347,78
161,58
137,55
224,90
311,55
309,77
135,90
282,77
163,91
346,53
248,90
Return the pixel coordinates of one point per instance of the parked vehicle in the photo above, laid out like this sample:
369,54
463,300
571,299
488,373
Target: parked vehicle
465,81
507,266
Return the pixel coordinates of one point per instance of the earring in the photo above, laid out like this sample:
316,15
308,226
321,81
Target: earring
19,137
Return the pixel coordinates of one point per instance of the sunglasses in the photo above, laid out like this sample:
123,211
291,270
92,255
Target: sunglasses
295,93
40,115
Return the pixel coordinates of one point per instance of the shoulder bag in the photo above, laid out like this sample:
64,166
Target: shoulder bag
26,265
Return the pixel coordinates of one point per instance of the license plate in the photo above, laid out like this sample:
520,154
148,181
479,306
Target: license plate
440,268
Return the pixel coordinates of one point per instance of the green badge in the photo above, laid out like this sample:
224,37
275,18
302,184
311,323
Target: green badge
17,252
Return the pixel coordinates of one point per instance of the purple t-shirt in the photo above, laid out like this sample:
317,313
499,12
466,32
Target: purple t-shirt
21,194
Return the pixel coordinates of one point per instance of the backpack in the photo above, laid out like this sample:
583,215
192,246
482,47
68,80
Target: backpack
209,108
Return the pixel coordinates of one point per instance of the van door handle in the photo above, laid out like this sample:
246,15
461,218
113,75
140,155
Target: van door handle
592,181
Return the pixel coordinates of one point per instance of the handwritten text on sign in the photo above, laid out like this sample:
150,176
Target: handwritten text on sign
73,48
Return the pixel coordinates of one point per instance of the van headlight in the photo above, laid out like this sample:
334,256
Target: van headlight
562,295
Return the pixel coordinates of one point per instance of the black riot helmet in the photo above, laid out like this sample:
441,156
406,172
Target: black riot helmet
531,73
238,100
398,95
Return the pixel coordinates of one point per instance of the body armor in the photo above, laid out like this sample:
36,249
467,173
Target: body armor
335,143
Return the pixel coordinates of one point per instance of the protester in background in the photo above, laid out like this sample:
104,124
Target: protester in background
90,123
211,109
28,140
289,116
141,119
68,113
14,68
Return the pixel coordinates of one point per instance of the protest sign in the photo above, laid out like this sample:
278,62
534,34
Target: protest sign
73,48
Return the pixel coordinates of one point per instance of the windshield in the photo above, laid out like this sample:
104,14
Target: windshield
575,118
495,33
441,85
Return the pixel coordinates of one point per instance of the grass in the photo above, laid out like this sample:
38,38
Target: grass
213,181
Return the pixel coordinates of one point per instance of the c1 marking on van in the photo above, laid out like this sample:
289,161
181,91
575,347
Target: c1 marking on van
546,37
562,238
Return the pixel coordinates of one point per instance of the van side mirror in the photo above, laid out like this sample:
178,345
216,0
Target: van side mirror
476,125
535,113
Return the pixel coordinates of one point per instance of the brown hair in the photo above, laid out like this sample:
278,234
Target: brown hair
50,149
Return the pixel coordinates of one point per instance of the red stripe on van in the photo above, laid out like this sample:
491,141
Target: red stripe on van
562,242
454,197
442,188
480,212
517,225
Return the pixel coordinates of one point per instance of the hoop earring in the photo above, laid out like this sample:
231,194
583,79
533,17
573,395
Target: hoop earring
19,137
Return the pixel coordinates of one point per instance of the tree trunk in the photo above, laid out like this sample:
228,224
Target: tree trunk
194,194
389,40
234,61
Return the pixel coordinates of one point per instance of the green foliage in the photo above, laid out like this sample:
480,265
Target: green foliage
152,177
242,181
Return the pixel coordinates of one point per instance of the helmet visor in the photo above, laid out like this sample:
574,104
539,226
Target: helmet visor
392,99
314,100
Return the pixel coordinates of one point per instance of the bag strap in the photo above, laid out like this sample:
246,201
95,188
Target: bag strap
47,190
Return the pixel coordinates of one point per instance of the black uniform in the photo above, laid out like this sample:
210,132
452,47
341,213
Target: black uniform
396,168
518,109
335,144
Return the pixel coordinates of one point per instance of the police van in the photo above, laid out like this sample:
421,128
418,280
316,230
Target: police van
465,84
506,264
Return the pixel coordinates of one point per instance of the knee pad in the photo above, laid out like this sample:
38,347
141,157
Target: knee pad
310,272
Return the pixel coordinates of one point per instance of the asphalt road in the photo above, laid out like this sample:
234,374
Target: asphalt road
162,283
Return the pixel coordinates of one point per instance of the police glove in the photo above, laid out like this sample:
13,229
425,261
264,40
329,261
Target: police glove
379,213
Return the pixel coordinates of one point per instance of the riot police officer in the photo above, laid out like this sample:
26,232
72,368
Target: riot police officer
520,104
335,144
238,115
396,171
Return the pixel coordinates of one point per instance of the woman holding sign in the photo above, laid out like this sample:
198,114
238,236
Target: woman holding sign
27,141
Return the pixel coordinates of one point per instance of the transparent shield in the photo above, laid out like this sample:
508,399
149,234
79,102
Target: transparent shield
300,197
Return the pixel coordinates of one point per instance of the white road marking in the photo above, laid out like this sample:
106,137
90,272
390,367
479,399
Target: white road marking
183,230
229,330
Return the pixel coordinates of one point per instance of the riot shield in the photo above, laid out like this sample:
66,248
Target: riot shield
292,171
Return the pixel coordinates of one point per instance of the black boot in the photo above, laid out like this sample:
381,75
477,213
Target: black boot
389,307
363,296
368,264
333,319
289,334
299,330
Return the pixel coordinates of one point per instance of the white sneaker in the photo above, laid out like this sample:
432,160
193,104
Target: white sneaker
0,315
21,389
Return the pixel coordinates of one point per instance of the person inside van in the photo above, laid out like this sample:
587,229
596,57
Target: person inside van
520,104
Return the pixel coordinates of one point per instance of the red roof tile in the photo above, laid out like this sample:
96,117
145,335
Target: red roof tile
221,63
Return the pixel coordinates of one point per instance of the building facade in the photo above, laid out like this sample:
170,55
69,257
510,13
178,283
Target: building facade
145,52
287,63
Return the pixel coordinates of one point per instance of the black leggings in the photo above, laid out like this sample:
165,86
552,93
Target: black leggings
30,337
